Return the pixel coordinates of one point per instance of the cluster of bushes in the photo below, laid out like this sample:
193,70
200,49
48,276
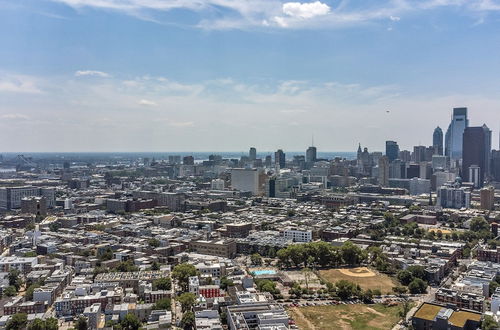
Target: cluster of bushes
413,277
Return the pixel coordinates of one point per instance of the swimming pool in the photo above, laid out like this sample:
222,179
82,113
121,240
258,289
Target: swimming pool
264,272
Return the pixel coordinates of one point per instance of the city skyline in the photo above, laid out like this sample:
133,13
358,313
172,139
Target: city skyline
216,76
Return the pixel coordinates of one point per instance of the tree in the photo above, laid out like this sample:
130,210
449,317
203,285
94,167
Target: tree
307,273
187,321
29,291
405,309
296,290
367,296
346,289
417,271
478,224
127,266
164,283
155,266
51,324
81,323
15,279
351,253
489,323
153,242
37,324
225,282
417,286
256,259
182,272
10,291
405,277
163,304
187,300
399,290
131,322
17,322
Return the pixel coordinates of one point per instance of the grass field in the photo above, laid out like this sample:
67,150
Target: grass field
366,278
366,317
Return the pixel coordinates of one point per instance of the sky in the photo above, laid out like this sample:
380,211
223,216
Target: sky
224,75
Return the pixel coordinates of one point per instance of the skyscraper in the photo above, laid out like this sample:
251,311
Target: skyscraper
476,152
252,154
279,158
437,140
391,150
454,135
383,171
311,154
495,165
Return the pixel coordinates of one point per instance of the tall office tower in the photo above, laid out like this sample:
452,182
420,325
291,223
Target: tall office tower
396,169
447,139
476,151
495,165
188,160
279,158
252,154
383,171
437,140
405,155
454,135
419,154
245,179
311,155
268,161
391,150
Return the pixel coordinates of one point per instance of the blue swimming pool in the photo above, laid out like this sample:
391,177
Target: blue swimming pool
264,272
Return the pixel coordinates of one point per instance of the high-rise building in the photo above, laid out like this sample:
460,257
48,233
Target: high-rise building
454,135
268,161
188,160
438,162
383,171
391,150
495,165
311,154
405,156
279,158
246,179
419,154
453,198
252,154
488,198
476,151
437,140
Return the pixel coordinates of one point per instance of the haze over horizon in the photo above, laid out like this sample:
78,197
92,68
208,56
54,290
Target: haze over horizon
218,75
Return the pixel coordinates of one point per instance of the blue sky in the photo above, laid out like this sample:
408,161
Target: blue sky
172,75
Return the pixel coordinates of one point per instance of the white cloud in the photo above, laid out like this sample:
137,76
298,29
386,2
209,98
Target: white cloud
19,84
92,73
268,14
14,116
147,103
305,10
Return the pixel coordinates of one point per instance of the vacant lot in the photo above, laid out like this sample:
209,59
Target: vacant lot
366,278
366,317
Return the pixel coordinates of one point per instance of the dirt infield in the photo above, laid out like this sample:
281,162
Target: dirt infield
443,231
358,272
365,277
